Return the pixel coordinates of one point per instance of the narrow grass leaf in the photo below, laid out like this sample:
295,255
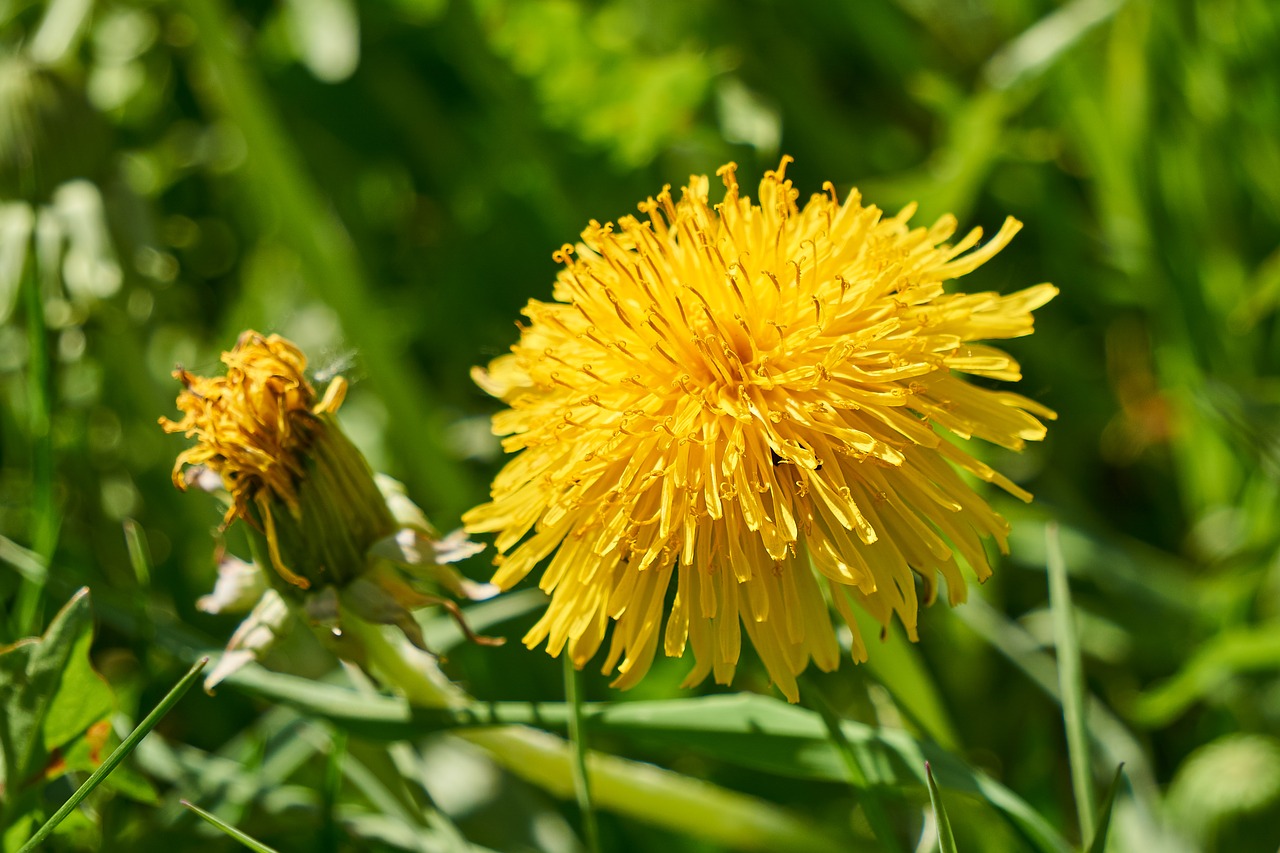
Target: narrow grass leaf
1099,842
1213,664
1036,49
744,730
137,548
280,185
867,796
246,840
1112,738
113,760
332,788
898,667
1071,681
946,838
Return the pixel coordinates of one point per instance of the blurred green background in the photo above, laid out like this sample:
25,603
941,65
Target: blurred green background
385,184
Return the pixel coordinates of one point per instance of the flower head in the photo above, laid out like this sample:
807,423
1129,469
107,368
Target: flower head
341,540
756,400
257,429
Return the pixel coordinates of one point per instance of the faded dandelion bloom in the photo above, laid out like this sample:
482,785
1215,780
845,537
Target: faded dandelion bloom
256,427
757,401
337,539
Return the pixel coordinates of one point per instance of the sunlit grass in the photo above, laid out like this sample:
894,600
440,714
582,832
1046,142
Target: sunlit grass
390,180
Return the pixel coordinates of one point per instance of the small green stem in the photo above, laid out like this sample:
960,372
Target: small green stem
577,738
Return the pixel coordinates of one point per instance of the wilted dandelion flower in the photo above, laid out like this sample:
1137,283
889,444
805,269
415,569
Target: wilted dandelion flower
336,537
256,427
757,400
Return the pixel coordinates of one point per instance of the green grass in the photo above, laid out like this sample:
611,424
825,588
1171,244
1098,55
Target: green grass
394,215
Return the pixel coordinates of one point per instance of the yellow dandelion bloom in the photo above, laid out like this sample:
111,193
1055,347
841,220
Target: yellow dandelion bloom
755,400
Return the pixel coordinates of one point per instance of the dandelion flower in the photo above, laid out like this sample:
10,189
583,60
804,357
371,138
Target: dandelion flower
755,401
339,539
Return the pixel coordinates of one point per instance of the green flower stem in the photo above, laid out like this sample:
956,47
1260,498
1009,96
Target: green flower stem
640,791
577,737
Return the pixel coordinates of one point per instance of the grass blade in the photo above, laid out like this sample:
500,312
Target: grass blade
581,782
113,760
29,608
745,730
1099,842
866,795
946,839
246,840
137,548
332,788
1071,680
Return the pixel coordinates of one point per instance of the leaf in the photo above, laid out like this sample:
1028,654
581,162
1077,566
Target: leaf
83,697
896,664
1035,50
946,839
50,693
118,755
1070,680
246,840
744,729
1213,664
1099,843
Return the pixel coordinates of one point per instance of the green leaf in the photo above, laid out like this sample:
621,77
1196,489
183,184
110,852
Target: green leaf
50,693
246,840
897,666
1099,843
118,755
946,839
83,697
744,729
1070,680
1214,664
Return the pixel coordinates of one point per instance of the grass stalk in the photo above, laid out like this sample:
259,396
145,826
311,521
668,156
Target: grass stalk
229,830
120,753
1071,681
279,185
